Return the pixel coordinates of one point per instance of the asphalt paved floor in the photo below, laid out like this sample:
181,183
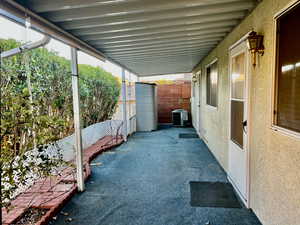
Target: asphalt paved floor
146,182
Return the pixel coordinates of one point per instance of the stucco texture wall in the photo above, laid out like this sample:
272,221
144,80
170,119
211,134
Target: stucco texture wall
274,156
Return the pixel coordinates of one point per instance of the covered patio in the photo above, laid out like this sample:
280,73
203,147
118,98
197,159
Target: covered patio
144,38
146,181
151,37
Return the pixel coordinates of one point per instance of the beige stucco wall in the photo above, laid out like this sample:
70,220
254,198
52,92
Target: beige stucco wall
274,156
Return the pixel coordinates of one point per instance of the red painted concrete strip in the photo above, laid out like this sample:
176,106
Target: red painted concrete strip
12,215
53,192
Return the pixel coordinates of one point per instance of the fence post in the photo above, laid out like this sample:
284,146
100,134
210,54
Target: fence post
77,125
124,105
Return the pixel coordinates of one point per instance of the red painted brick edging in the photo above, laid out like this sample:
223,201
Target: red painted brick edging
54,192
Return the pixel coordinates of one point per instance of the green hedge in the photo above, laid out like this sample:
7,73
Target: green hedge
49,116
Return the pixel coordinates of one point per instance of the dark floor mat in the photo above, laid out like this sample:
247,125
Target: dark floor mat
187,135
164,126
213,194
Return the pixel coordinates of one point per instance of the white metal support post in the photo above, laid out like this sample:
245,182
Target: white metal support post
124,105
129,102
77,124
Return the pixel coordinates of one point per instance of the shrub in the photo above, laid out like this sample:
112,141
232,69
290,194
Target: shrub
37,110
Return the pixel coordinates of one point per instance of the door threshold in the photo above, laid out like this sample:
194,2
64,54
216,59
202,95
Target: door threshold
241,197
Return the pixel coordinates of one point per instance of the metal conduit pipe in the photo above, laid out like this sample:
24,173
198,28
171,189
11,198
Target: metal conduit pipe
45,40
17,13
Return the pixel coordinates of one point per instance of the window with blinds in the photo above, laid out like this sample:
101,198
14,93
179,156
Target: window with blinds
212,84
287,110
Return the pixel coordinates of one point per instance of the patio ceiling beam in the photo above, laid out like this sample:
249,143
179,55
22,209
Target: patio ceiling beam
160,49
161,74
149,62
112,7
152,72
169,51
104,24
162,66
163,62
55,5
165,43
145,66
140,58
157,36
147,75
162,53
158,62
163,58
161,46
157,41
165,55
152,67
157,30
162,9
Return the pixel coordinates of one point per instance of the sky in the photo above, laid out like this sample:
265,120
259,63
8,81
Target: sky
9,29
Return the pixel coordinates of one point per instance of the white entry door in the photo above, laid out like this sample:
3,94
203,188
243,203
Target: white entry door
238,121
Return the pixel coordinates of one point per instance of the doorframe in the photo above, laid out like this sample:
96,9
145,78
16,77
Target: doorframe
248,108
193,105
198,106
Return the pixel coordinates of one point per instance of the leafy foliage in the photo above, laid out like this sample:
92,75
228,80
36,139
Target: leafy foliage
99,97
40,122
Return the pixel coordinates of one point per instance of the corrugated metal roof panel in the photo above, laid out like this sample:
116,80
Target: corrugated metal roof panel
147,36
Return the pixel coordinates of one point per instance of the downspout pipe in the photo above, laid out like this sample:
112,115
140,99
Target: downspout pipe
45,40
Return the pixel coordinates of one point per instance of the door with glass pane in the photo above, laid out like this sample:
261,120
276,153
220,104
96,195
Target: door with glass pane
238,152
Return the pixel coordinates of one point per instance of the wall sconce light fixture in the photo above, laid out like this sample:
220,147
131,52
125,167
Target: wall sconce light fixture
255,44
194,78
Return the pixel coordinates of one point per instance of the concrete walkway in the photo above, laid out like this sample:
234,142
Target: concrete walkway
146,181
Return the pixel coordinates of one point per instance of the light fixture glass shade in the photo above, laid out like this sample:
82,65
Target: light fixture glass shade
255,45
194,78
260,42
253,41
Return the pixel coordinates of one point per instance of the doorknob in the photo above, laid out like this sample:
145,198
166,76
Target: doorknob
244,123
